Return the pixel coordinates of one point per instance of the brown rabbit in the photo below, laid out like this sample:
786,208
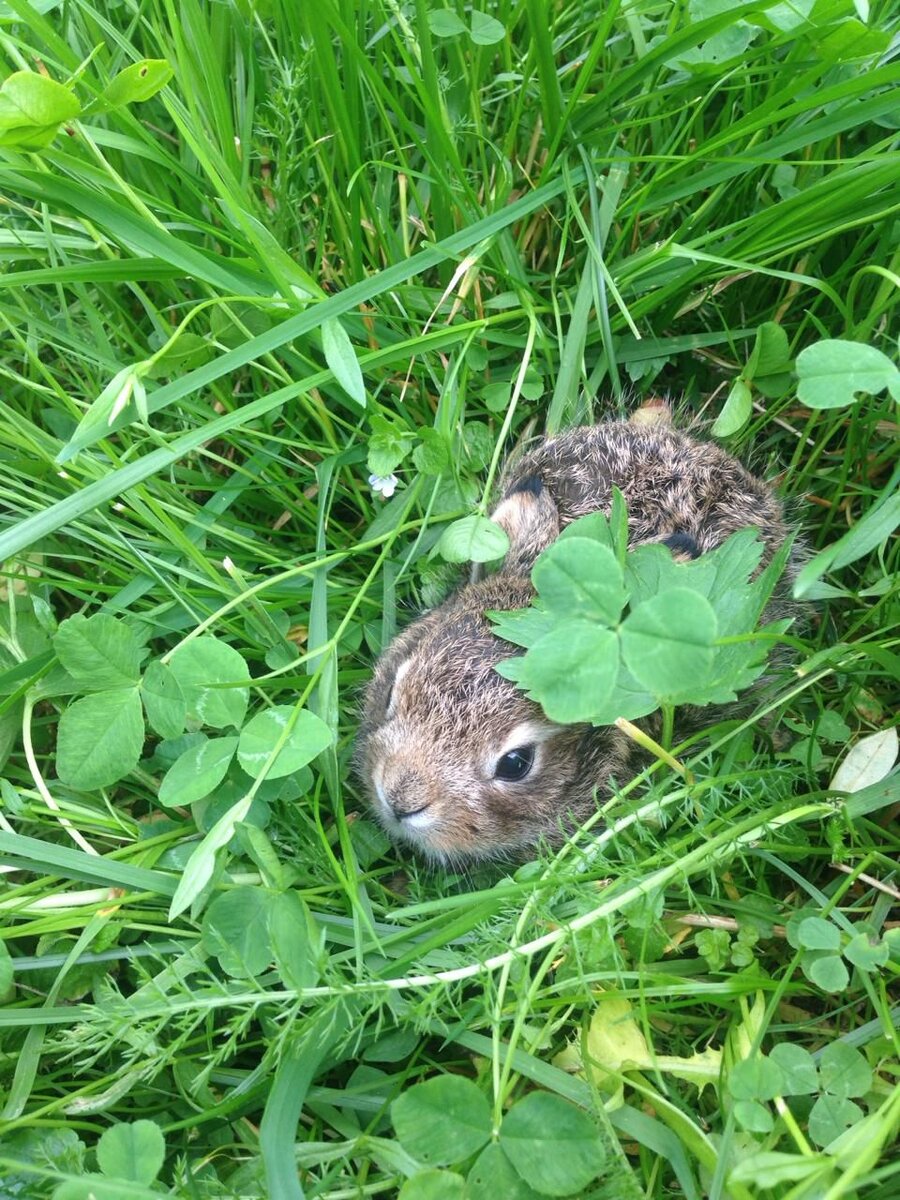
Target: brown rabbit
457,760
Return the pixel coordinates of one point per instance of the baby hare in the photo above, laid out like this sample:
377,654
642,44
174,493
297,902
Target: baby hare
456,759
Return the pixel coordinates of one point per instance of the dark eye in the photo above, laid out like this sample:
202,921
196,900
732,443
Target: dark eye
515,764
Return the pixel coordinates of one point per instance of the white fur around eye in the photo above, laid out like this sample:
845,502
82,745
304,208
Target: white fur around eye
395,686
526,733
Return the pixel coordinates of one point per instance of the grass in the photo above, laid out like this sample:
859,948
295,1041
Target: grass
602,204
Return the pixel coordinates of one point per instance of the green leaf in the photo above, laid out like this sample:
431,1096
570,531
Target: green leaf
486,31
770,354
342,361
473,539
571,671
296,940
444,23
757,1078
32,107
164,700
235,930
134,1151
830,1116
100,739
442,1121
197,772
389,444
769,1168
138,82
832,373
99,652
200,866
523,626
308,737
667,644
493,1177
826,971
434,1185
815,933
865,953
577,577
736,411
554,1146
207,671
433,456
798,1069
753,1116
843,1071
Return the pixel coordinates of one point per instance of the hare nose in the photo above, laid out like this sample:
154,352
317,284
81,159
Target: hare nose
402,796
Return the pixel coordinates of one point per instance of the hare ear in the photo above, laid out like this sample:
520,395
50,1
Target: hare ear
531,519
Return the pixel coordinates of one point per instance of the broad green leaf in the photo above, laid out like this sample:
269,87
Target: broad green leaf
770,1168
833,373
99,739
164,701
308,737
866,953
770,354
577,577
493,1176
99,652
342,360
296,940
867,762
473,539
32,107
736,411
444,23
213,677
235,930
830,1116
753,1116
826,971
433,456
197,772
595,527
389,444
798,1069
442,1121
132,1150
522,627
434,1185
138,82
554,1146
571,671
843,1071
667,644
756,1078
815,933
486,31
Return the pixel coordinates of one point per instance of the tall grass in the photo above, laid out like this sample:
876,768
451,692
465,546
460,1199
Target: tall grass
602,203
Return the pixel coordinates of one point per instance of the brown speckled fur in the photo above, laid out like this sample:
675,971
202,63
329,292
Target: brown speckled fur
437,716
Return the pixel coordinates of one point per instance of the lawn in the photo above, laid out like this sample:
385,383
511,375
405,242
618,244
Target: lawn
254,253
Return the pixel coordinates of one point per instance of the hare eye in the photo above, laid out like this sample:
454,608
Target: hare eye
515,764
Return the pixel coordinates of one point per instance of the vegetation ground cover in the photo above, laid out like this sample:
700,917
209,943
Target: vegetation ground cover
257,252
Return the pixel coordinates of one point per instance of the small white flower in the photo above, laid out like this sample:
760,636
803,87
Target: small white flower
385,484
